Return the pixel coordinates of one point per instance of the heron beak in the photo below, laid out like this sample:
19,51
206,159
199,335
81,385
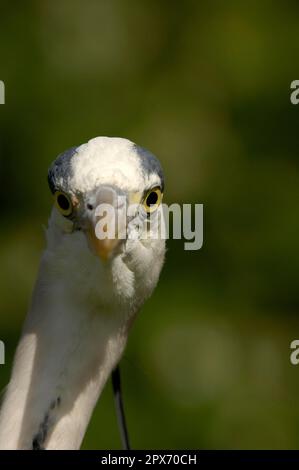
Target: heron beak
102,248
107,223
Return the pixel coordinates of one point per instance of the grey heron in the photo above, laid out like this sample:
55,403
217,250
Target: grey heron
87,294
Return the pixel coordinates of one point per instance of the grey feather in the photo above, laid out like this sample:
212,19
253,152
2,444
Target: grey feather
149,163
60,170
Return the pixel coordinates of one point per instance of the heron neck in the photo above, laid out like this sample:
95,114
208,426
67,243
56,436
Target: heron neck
66,353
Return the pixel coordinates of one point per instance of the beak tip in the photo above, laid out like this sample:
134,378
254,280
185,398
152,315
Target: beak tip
102,248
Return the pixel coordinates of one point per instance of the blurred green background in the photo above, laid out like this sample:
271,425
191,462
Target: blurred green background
205,85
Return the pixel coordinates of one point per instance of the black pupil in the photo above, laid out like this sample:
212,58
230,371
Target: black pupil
152,199
63,202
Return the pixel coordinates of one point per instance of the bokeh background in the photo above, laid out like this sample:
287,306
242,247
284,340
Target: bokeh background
205,85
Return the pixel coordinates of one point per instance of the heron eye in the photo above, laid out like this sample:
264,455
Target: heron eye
63,203
152,200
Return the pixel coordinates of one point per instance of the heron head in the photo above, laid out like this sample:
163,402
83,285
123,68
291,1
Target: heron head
110,189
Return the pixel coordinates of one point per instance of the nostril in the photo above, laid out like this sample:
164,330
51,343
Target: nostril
89,207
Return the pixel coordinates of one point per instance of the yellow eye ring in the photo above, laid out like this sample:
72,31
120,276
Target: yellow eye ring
152,200
63,203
